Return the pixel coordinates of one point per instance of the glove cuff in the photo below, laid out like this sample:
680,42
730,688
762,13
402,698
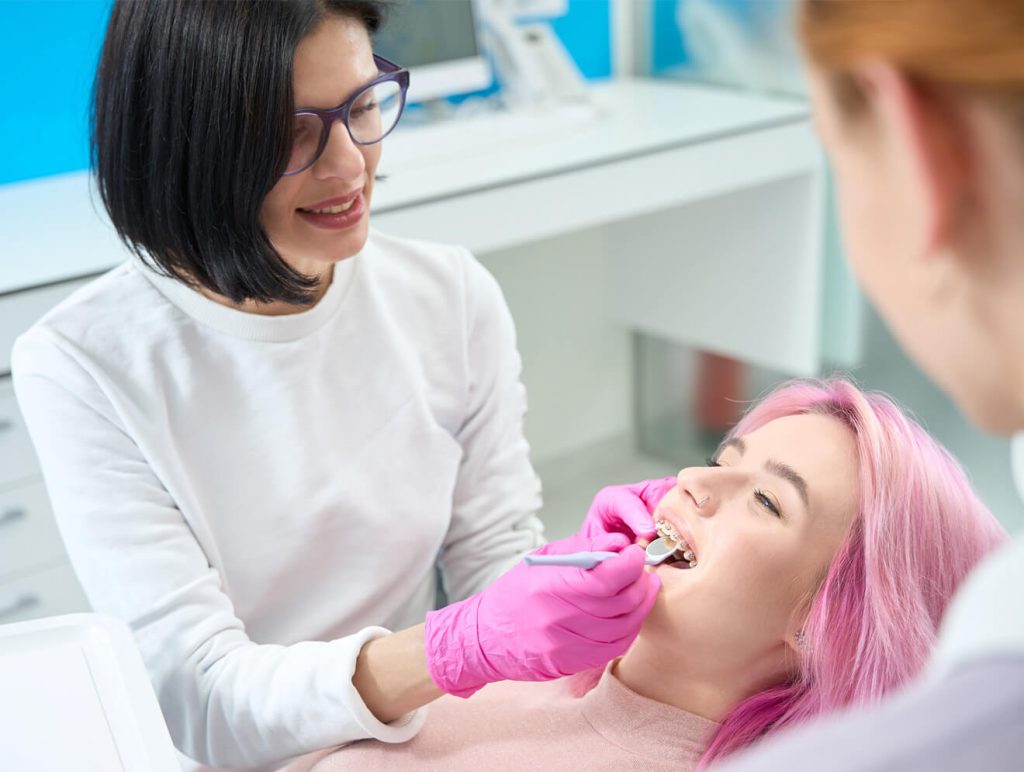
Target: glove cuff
454,658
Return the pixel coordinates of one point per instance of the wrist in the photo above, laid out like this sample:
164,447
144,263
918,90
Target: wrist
391,675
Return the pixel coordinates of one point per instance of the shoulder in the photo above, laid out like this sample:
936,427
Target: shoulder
426,264
95,318
986,617
436,283
433,254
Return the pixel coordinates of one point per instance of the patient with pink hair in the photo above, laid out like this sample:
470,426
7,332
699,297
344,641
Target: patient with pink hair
828,535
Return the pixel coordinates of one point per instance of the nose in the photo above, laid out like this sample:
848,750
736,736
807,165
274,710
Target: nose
341,158
706,488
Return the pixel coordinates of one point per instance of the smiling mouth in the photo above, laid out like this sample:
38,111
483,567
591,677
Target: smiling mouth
331,210
683,557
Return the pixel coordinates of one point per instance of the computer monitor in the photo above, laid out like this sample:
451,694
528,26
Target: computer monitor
438,41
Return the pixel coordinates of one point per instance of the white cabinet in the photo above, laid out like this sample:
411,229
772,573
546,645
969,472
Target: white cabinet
35,577
28,534
17,460
45,593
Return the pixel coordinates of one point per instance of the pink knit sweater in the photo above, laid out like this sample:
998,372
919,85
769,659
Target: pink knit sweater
526,726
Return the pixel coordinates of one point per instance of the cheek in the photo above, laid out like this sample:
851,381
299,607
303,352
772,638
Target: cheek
371,157
754,566
748,592
763,577
278,207
752,575
856,212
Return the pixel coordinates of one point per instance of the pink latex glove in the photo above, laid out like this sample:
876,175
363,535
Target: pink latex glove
536,623
626,509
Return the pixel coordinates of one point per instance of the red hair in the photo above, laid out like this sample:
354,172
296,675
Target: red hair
974,45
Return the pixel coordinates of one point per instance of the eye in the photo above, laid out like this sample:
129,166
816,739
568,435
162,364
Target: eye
364,108
711,461
763,499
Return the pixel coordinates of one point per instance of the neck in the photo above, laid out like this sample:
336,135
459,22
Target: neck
707,686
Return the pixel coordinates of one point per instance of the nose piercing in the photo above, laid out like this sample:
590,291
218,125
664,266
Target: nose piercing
703,501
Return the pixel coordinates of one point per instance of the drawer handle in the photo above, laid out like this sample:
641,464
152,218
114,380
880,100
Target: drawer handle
11,515
23,603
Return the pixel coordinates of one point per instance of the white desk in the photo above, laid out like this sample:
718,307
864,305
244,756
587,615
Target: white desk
738,177
687,212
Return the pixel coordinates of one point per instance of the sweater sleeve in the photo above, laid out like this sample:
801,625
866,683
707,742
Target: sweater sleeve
497,494
227,700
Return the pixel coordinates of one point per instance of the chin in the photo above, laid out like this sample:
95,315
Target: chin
987,400
343,247
993,416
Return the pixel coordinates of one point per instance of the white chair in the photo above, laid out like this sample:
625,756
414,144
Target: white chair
74,694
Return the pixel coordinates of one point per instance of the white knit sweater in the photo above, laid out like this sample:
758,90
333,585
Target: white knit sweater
258,496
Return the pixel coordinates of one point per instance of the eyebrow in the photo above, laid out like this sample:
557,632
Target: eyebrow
351,94
776,468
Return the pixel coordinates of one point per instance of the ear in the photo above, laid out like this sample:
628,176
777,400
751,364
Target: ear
925,131
796,641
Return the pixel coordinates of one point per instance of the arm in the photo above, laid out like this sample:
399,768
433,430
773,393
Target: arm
392,675
226,700
497,494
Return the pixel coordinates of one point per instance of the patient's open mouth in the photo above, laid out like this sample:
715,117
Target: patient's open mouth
683,557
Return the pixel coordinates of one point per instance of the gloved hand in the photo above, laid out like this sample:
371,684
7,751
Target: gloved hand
536,623
626,509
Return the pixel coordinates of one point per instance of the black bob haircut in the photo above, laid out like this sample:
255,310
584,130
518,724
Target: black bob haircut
191,115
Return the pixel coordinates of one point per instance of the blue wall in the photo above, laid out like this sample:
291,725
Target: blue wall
586,32
668,49
48,54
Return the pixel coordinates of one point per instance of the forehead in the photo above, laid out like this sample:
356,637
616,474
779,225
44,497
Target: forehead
332,61
822,450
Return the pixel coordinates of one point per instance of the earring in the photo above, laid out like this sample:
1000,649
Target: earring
801,641
703,501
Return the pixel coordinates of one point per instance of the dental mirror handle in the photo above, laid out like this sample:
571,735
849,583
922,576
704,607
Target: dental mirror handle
576,559
585,560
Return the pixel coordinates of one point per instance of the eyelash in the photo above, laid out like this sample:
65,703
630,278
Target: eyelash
759,495
766,502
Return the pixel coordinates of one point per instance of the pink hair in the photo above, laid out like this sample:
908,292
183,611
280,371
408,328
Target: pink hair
918,531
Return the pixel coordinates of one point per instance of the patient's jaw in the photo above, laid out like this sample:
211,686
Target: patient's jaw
764,526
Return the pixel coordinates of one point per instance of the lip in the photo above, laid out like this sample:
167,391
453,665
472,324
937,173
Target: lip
676,521
329,202
337,222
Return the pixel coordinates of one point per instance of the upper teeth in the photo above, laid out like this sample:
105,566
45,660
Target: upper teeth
668,532
333,209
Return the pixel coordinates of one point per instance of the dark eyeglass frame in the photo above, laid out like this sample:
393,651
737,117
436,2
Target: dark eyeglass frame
389,71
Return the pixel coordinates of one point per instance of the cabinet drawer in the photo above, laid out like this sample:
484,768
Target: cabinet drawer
17,456
42,594
20,310
29,538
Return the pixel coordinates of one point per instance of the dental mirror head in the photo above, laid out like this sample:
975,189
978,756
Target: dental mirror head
658,551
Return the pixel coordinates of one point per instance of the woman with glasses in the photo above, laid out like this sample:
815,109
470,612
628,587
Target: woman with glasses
272,432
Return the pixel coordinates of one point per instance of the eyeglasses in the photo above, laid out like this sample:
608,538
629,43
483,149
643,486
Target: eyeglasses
369,115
